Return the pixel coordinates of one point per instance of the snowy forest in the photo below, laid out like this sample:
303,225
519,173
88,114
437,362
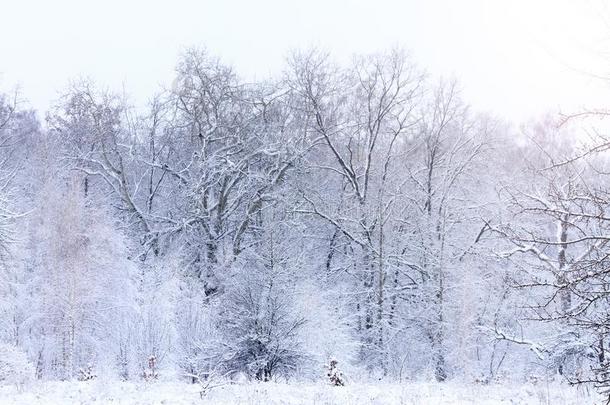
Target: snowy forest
355,215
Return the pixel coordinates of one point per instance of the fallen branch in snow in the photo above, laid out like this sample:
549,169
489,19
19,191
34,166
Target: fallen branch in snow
210,382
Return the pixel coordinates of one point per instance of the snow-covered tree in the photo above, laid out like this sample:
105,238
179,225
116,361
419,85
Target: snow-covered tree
82,282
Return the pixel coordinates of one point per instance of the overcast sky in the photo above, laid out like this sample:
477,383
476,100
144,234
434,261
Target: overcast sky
516,58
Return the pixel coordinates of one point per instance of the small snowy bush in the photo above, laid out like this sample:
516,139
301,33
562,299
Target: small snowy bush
334,374
14,366
86,373
151,373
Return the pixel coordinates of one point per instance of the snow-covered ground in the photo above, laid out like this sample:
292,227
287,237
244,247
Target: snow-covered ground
412,393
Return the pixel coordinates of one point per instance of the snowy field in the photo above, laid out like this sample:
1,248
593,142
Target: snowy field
100,392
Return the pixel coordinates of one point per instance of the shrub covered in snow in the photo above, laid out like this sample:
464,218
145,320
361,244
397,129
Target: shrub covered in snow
14,366
151,372
86,373
262,334
334,374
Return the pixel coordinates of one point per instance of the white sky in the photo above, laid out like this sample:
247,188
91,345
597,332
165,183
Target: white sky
516,58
